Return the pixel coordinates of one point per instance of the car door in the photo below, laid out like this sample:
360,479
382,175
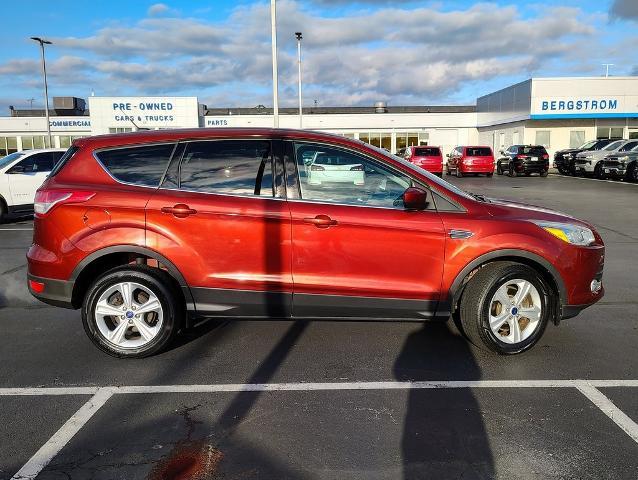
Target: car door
27,175
217,218
356,251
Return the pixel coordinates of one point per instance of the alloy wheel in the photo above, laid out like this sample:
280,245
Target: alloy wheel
515,311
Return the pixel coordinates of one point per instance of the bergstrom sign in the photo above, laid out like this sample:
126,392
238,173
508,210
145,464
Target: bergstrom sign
584,107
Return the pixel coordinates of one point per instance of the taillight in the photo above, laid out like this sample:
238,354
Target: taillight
45,200
546,157
317,168
357,168
521,157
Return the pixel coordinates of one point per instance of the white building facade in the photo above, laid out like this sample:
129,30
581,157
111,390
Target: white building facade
555,112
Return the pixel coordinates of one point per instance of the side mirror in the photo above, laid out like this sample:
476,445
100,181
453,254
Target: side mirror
415,198
17,169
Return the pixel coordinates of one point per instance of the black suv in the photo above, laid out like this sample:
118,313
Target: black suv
523,159
564,159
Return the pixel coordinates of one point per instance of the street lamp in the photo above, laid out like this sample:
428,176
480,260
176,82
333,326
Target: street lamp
299,37
43,42
275,90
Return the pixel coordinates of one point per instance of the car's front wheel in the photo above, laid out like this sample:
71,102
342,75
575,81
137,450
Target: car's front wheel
132,312
505,308
513,172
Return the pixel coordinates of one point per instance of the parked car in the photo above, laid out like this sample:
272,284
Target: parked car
427,157
331,167
466,160
146,231
590,163
21,173
564,159
621,165
523,160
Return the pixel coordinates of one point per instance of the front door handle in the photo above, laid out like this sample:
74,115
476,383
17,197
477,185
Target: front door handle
320,221
180,210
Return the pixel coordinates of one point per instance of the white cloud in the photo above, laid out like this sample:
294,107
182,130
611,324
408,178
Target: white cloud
158,9
417,54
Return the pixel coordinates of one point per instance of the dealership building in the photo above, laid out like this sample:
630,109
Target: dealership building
555,112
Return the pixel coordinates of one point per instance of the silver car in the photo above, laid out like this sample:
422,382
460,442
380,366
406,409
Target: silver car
590,162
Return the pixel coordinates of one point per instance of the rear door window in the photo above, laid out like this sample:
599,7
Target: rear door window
44,162
235,167
143,165
478,152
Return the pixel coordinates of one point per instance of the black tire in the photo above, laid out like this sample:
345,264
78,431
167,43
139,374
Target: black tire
598,171
512,172
459,174
490,175
499,169
631,175
544,173
156,280
3,209
475,304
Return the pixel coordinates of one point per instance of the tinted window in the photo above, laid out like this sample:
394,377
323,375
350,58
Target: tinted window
478,152
238,167
352,179
612,146
138,165
534,150
628,146
427,152
43,162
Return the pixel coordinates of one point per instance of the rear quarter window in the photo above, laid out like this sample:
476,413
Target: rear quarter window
140,165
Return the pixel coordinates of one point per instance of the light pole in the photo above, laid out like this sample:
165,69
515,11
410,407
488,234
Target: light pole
275,90
607,65
299,37
42,42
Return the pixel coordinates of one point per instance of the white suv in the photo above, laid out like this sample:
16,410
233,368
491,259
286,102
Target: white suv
21,174
590,162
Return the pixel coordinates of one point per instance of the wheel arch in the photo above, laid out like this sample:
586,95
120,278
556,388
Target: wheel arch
541,265
114,256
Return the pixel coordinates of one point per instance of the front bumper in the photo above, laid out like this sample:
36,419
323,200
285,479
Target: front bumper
58,293
615,170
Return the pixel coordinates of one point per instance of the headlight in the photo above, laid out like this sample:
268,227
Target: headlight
624,159
588,156
568,232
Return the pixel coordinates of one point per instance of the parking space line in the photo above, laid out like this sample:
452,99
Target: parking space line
16,229
619,417
52,447
313,386
593,179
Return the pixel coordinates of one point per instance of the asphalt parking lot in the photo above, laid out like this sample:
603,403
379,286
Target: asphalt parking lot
332,400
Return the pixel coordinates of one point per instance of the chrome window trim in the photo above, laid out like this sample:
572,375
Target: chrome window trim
220,194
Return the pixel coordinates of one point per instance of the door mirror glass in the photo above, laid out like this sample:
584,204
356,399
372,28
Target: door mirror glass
415,198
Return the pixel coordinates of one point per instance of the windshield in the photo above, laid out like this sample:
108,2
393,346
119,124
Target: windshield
439,181
587,145
4,161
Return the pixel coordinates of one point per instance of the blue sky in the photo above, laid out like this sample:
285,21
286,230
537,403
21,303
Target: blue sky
427,52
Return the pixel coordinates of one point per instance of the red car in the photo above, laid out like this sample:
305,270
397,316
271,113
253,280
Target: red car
428,158
475,160
146,231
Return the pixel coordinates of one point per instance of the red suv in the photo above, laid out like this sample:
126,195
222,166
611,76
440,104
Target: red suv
465,160
146,231
428,158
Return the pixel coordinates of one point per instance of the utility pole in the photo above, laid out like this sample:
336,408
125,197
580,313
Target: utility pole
607,65
43,42
275,90
299,37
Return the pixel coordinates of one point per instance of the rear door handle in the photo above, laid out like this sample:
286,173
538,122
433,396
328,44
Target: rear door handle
320,221
180,210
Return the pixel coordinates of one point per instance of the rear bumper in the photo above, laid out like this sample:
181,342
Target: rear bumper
477,168
58,293
533,167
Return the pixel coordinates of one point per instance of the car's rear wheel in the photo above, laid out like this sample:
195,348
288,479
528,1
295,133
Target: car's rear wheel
505,308
132,312
512,171
544,173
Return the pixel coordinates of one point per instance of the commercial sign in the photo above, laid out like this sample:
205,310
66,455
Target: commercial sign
216,122
584,107
71,124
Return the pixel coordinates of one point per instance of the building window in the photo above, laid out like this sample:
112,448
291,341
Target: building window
8,145
378,139
120,129
411,139
35,141
65,141
576,138
543,138
613,133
